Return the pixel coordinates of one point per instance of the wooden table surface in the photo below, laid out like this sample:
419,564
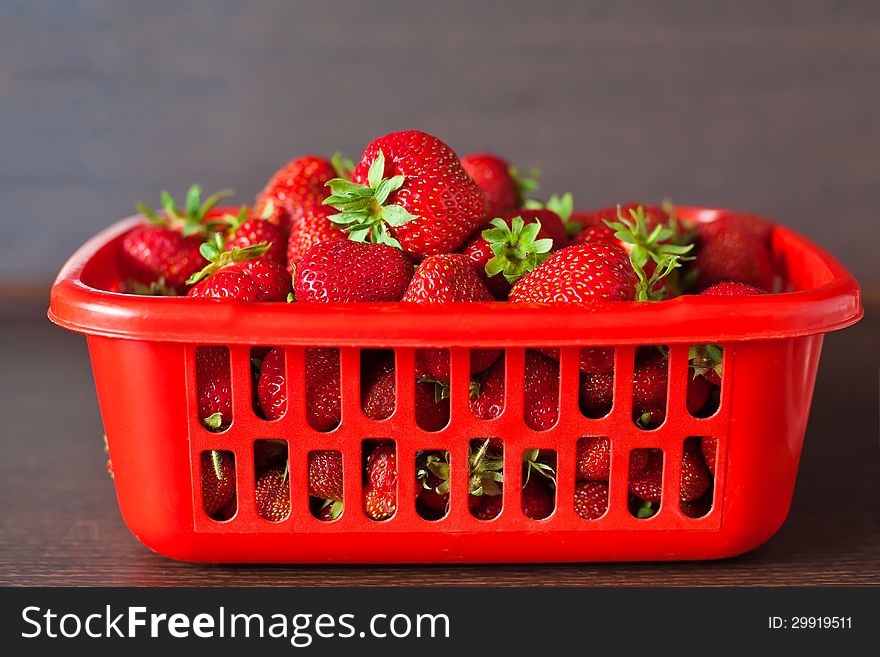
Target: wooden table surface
59,524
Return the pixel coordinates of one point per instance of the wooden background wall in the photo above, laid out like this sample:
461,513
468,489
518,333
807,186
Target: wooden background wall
770,106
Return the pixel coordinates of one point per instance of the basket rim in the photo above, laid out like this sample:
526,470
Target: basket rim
76,306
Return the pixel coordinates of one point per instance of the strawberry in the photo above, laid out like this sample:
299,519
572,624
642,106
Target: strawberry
651,237
591,499
218,481
214,387
431,403
501,183
380,490
650,381
313,227
487,507
245,230
594,459
410,191
447,278
731,289
296,189
541,392
485,475
167,247
735,248
512,245
325,474
273,494
647,484
537,500
596,394
697,508
583,273
695,477
343,270
705,360
322,387
242,274
709,449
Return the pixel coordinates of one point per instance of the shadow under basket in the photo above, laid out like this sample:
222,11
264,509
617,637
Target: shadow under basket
143,352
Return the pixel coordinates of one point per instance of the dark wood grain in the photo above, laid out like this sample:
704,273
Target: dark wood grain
59,524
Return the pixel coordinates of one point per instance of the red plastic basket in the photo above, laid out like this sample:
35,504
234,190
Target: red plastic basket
143,357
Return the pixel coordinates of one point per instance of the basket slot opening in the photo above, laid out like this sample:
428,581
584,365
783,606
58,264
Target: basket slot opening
322,385
698,476
380,478
487,390
540,390
270,395
325,477
592,473
705,379
214,387
272,479
645,482
433,472
650,386
379,388
539,483
486,478
219,499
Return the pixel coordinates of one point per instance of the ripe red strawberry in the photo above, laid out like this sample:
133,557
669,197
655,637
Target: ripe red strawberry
594,459
584,273
167,247
695,477
541,384
313,227
650,236
447,278
273,494
537,499
486,507
709,449
380,491
246,230
647,485
730,289
214,387
431,404
343,270
736,248
697,508
591,499
218,480
429,495
541,391
296,189
596,394
322,387
489,401
512,245
409,190
325,474
501,183
242,274
650,381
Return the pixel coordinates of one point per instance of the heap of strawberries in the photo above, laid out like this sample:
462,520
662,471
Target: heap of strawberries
411,222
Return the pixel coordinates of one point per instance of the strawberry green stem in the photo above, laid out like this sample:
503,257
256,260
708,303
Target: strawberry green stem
363,212
516,248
